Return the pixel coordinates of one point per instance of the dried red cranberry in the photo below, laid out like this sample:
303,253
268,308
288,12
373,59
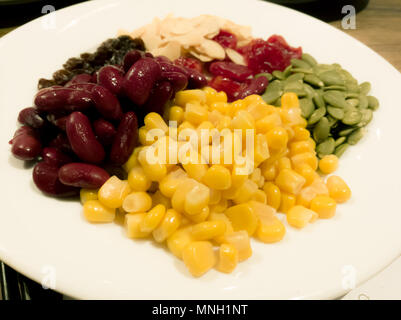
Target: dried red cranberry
190,63
226,39
230,70
230,87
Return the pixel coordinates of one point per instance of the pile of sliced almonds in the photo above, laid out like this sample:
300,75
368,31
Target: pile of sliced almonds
176,36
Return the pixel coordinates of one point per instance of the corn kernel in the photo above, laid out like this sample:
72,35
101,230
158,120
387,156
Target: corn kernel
246,191
270,230
259,196
290,181
258,110
137,179
88,194
169,183
132,224
185,125
195,113
268,123
113,192
298,147
214,216
217,177
261,152
289,100
338,189
223,123
305,157
137,202
168,225
243,217
228,258
153,120
254,98
185,96
301,133
196,199
237,178
176,113
132,160
324,206
95,211
305,197
196,170
269,171
178,199
277,138
200,217
220,207
208,230
307,172
179,240
213,96
221,107
284,163
242,120
199,257
240,240
153,218
300,216
287,202
273,195
328,164
215,196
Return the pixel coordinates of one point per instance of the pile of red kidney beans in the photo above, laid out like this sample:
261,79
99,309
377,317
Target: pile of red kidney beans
83,132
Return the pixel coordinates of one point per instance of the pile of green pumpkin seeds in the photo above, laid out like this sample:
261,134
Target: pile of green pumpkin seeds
336,107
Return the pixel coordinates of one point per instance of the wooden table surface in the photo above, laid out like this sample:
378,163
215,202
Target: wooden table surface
378,26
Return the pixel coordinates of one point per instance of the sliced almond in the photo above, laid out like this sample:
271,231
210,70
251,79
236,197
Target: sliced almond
199,56
212,49
235,56
171,50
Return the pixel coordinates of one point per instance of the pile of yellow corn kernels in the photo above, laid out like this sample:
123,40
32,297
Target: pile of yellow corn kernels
204,208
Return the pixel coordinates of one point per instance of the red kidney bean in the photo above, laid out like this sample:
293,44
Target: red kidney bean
82,138
45,177
106,103
169,67
161,93
86,86
256,86
55,157
112,78
130,58
104,131
148,55
178,80
196,80
61,142
125,139
79,78
30,117
58,122
230,70
26,144
55,100
140,79
82,175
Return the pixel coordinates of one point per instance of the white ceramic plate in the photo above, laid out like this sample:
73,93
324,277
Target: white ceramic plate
48,240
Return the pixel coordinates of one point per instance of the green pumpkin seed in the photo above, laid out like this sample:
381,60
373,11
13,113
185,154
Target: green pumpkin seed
363,102
310,92
339,151
319,101
332,78
373,103
321,68
295,77
340,141
352,95
367,116
287,71
265,74
336,113
316,115
278,75
354,137
309,59
326,147
352,117
336,87
346,132
313,80
365,87
297,63
302,70
321,130
270,96
307,107
332,121
335,98
352,87
293,86
352,102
